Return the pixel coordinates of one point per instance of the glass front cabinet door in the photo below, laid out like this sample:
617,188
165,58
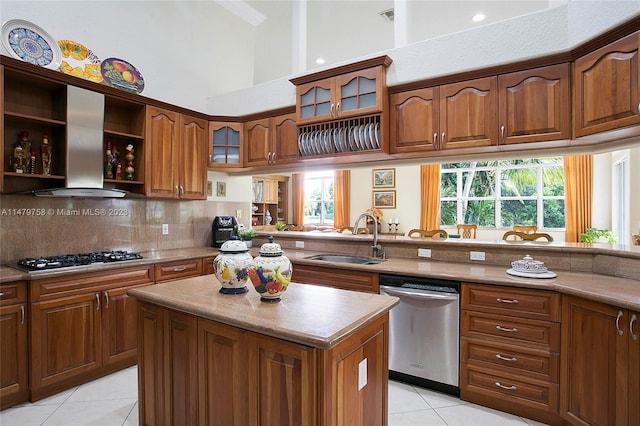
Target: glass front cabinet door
225,145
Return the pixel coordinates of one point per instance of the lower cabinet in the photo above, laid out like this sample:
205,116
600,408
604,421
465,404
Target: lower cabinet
600,368
347,279
510,350
14,369
82,327
197,371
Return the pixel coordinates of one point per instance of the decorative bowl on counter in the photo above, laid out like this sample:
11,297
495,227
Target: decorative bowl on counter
231,267
270,272
527,264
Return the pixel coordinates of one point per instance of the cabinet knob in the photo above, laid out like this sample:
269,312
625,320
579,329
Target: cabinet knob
620,314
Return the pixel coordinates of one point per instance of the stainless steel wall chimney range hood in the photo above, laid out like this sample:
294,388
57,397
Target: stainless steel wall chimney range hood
85,124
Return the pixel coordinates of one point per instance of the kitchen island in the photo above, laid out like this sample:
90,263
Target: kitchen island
317,357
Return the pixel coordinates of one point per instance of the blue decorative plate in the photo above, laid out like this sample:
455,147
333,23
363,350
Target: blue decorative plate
30,43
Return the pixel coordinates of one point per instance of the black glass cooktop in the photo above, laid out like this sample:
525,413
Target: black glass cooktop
68,260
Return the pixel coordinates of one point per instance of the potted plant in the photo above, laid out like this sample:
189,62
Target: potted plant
377,213
592,235
247,235
279,226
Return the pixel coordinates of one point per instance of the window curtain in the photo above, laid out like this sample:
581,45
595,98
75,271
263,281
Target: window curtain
341,198
297,196
578,194
430,196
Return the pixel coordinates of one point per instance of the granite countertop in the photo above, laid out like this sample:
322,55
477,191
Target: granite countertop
311,315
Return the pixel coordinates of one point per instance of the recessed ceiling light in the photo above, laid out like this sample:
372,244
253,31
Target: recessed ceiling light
478,17
320,61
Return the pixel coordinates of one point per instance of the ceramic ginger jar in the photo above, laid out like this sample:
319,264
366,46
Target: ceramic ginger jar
270,272
231,267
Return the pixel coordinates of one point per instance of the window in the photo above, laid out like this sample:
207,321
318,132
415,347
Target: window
500,194
318,198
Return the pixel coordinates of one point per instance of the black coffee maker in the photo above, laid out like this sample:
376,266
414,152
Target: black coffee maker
223,229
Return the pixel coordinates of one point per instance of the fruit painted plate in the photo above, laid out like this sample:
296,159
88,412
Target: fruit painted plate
79,61
30,43
121,74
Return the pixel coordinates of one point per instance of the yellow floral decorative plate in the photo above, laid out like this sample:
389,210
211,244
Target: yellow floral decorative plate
79,61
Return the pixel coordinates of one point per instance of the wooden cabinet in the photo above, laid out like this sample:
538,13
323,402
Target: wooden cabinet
468,114
510,349
535,105
14,368
226,145
271,140
347,279
607,89
175,163
238,377
356,93
270,194
179,269
520,107
600,368
82,327
414,117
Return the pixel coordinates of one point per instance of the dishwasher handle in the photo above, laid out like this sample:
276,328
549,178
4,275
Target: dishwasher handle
418,294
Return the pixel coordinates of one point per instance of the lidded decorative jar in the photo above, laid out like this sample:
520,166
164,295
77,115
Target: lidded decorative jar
231,267
270,272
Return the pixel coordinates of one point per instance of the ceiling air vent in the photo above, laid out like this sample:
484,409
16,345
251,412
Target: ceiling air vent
387,15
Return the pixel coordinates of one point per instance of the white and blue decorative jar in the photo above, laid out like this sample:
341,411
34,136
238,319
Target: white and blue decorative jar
231,267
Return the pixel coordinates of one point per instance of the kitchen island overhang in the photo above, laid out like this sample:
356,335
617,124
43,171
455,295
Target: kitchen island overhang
317,357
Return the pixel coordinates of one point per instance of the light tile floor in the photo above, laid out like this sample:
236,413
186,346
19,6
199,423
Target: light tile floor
112,400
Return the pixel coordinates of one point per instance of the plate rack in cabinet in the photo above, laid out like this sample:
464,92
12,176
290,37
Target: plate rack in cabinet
37,106
334,138
123,128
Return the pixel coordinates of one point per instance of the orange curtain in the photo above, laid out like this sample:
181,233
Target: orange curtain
297,197
578,194
341,198
430,196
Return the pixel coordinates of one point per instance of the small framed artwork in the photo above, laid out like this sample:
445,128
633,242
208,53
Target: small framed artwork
384,178
221,189
384,199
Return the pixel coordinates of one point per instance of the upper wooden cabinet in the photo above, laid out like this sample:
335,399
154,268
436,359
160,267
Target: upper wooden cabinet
535,105
271,141
468,113
356,93
526,106
225,144
176,160
607,93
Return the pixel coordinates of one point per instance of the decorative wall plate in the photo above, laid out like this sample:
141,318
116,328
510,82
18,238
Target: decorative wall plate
121,74
79,61
30,43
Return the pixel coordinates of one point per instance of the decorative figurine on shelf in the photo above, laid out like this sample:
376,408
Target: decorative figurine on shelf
20,156
45,149
115,160
32,164
119,170
108,162
129,170
267,218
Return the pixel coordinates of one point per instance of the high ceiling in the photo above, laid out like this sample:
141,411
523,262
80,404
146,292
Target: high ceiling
341,30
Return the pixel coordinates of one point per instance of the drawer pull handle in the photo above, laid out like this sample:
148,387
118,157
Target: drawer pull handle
633,319
180,269
504,358
1,294
513,301
501,386
618,323
510,330
106,299
97,301
21,314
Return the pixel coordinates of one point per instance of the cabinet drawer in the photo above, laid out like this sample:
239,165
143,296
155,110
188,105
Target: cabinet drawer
180,269
538,304
517,331
538,364
207,266
13,293
340,278
515,389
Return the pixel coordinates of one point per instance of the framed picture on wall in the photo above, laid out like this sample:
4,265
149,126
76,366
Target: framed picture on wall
384,178
384,199
221,189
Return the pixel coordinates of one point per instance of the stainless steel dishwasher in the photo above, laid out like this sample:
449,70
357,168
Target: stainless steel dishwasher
424,331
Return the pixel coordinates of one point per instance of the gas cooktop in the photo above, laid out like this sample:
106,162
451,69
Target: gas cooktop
69,260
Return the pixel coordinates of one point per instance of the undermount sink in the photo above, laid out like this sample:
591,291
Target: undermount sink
340,258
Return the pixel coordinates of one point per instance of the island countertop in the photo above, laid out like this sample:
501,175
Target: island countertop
311,315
